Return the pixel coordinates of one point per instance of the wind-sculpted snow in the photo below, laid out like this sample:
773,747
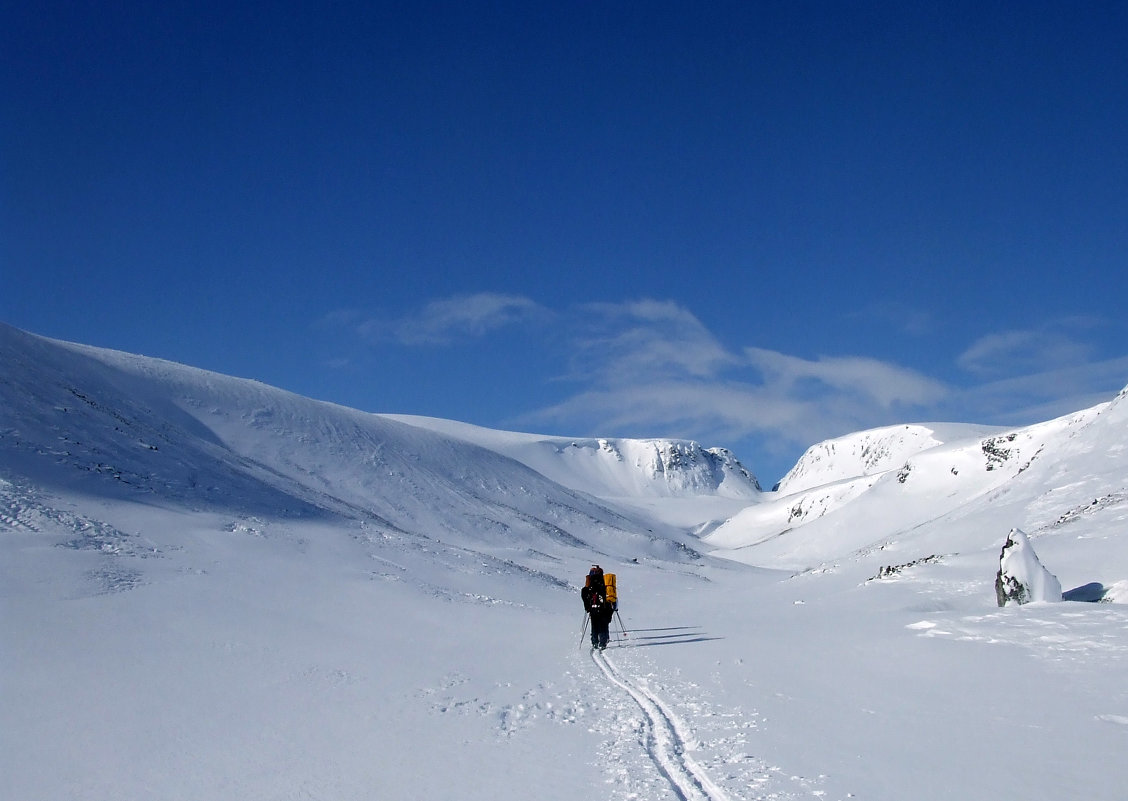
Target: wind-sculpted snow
144,429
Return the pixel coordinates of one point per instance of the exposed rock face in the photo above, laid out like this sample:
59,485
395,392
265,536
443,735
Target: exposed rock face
1022,578
681,467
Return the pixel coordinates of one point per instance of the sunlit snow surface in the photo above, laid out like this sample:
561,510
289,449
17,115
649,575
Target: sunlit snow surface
212,589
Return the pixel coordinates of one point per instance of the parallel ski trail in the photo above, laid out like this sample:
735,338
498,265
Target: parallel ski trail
667,740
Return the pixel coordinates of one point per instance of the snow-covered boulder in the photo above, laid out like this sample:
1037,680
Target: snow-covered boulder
1022,577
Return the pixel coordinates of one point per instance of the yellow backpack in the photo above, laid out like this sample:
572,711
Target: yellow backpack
612,595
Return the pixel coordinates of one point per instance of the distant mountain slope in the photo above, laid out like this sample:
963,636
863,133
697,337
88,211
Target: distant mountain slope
105,423
964,494
666,481
94,426
871,452
614,468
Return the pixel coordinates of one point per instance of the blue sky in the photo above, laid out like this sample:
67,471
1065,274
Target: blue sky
755,224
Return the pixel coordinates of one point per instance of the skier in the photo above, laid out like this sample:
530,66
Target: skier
597,606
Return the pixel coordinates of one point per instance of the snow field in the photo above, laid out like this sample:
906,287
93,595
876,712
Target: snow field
210,589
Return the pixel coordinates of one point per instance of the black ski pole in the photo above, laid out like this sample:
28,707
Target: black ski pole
583,631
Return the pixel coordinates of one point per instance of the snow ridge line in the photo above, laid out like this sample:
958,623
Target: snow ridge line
667,742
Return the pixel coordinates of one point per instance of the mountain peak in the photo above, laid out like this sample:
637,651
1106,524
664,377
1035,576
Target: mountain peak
614,467
870,452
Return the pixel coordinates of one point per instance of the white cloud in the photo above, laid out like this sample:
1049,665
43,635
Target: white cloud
1021,351
623,343
440,322
1043,394
679,408
444,321
653,368
884,384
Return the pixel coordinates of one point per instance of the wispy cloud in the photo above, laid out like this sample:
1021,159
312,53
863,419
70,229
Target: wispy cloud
1037,373
654,367
623,343
441,322
1041,394
877,383
465,316
1024,350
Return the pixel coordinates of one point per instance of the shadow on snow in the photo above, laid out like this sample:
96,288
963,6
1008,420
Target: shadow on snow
679,635
1089,593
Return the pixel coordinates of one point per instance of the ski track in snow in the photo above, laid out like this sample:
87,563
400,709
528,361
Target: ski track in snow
667,739
701,753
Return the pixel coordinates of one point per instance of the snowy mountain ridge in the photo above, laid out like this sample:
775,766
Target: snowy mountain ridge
1000,476
867,453
121,425
614,468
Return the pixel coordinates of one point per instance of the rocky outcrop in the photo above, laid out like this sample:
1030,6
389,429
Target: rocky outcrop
1022,577
682,468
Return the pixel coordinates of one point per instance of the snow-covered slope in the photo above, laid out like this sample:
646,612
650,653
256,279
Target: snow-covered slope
871,452
675,482
212,589
139,429
614,468
1020,477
